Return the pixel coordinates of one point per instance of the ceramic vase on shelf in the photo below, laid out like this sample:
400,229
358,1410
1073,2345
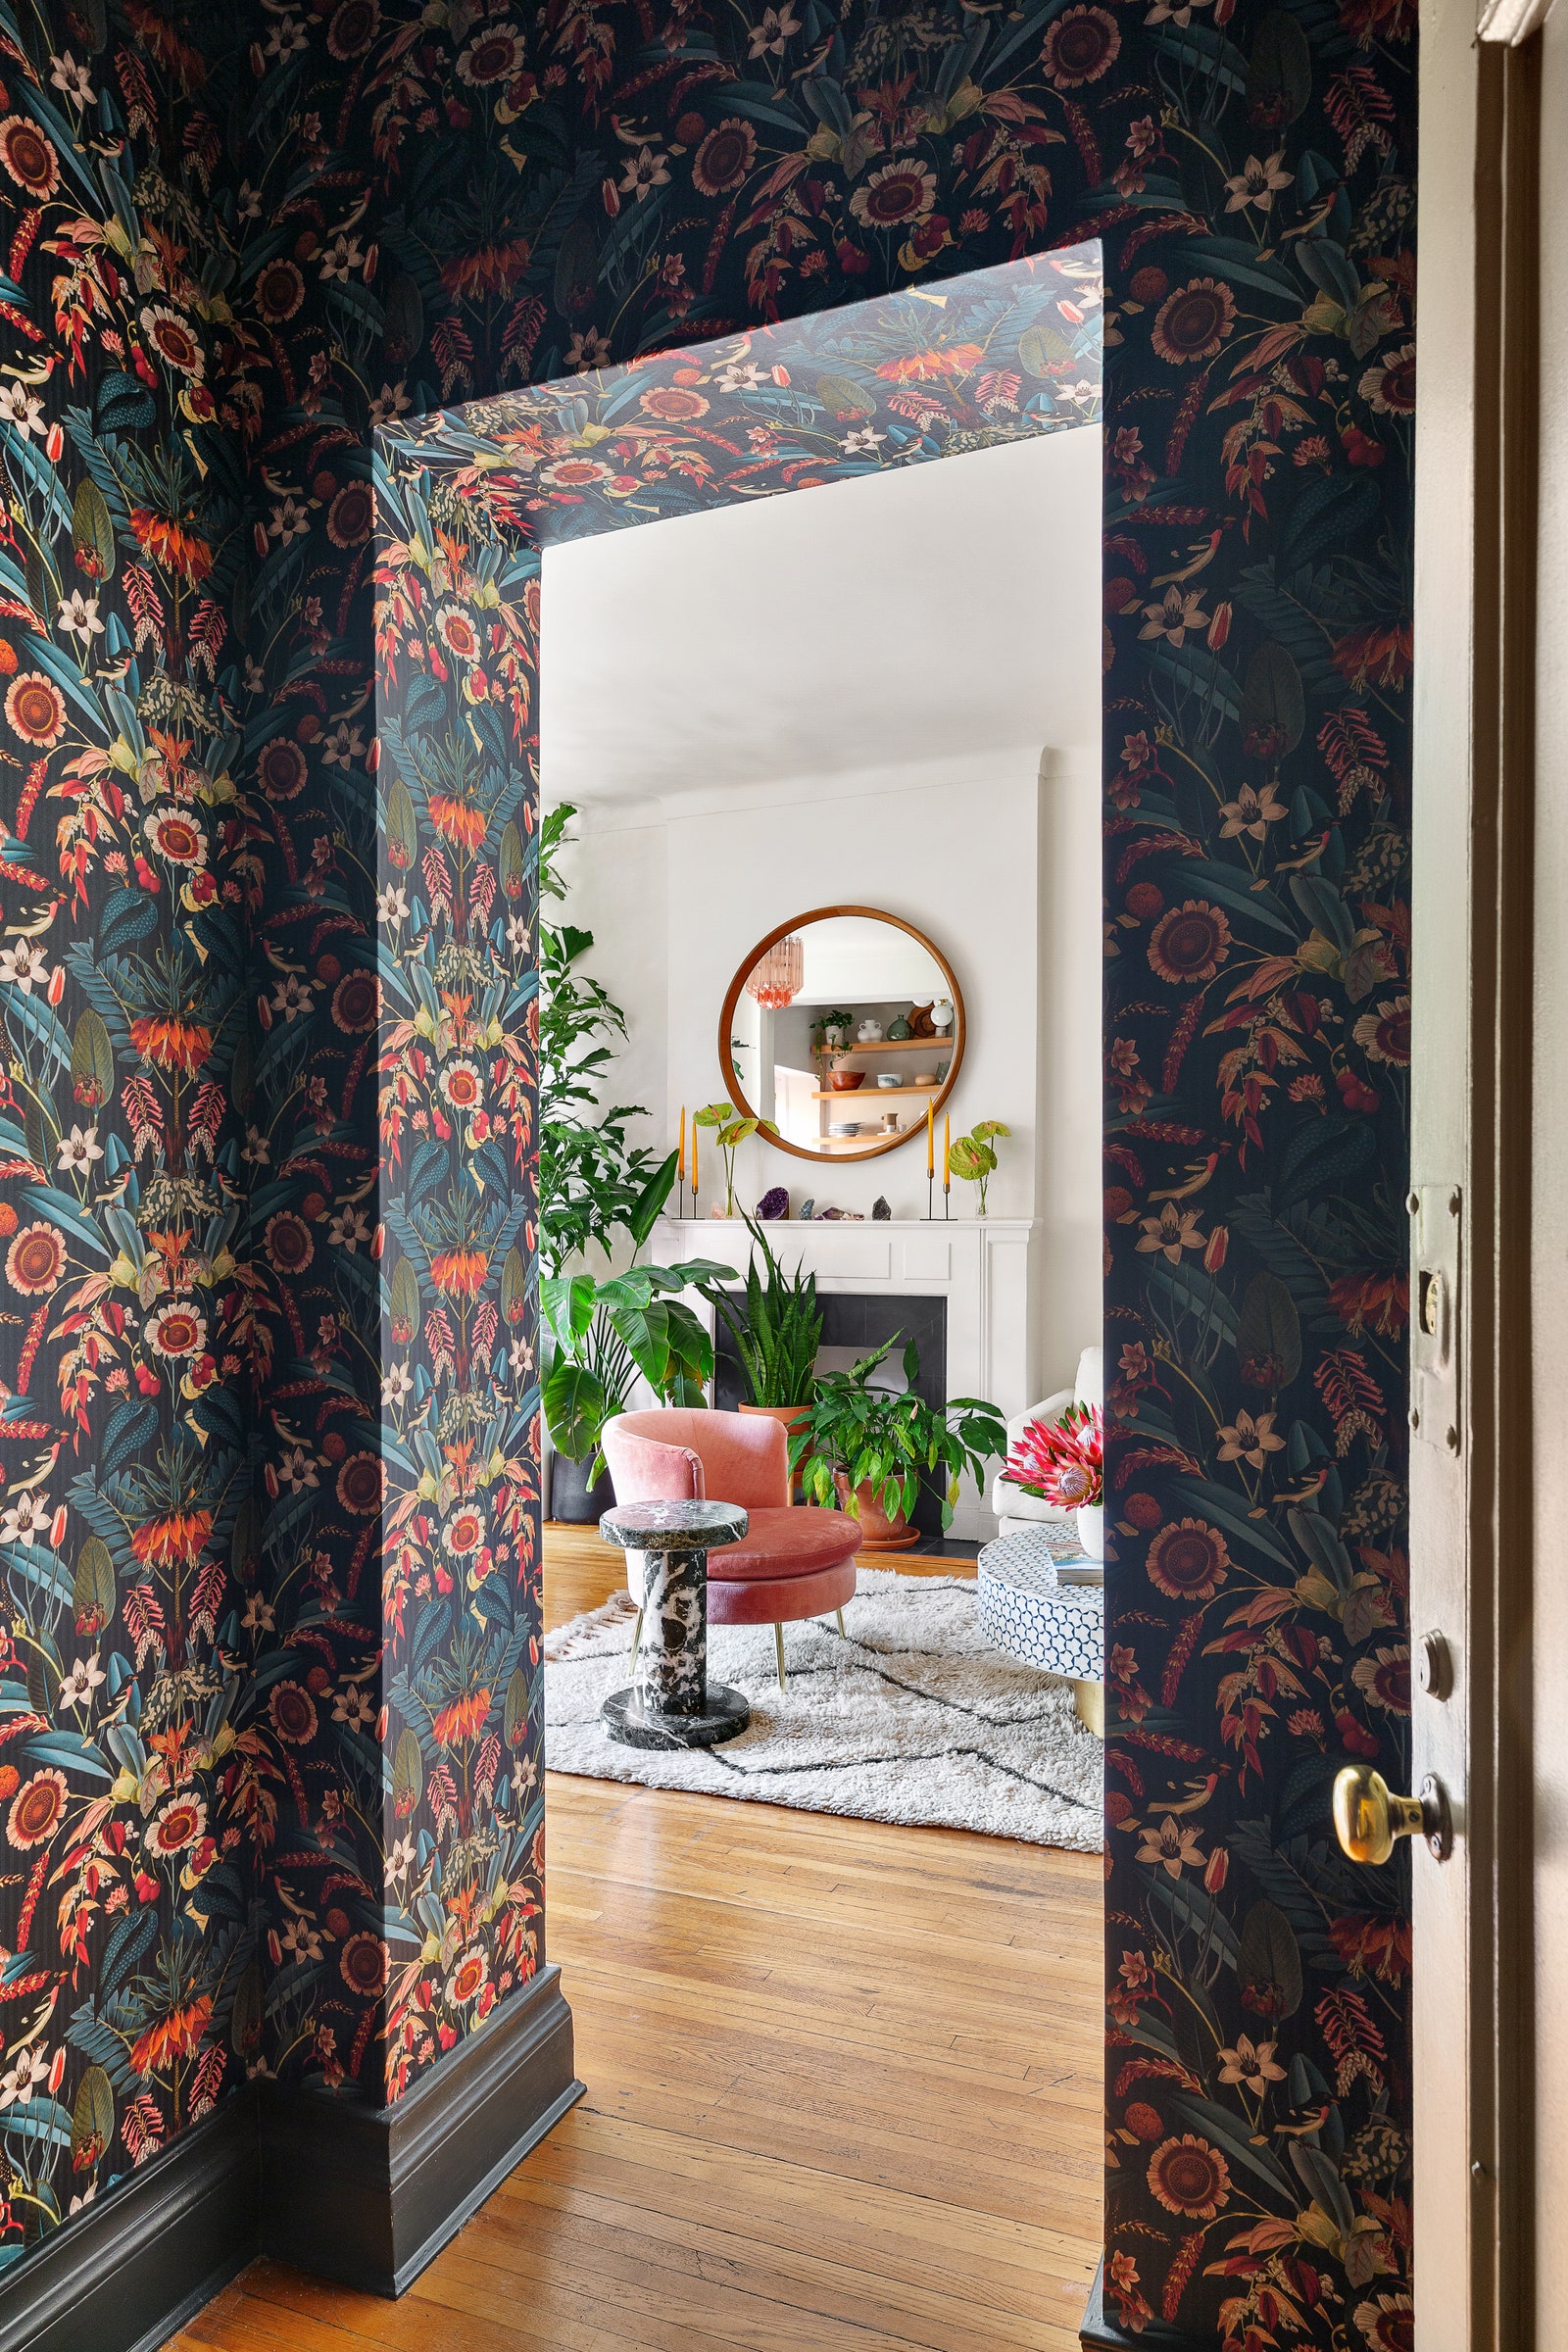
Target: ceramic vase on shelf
1091,1529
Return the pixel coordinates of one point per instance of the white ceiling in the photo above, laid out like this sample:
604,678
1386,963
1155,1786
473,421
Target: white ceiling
916,614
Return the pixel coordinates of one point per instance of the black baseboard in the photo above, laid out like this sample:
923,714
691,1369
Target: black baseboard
1096,2334
369,2196
125,2274
361,2194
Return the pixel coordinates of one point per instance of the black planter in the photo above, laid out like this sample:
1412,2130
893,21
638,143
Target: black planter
573,1499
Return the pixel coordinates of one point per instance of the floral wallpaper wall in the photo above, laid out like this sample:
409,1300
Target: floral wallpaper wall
130,1763
239,240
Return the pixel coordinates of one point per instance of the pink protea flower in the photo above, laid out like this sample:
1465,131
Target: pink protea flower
1062,1461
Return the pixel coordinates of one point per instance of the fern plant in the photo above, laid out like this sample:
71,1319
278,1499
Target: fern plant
776,1324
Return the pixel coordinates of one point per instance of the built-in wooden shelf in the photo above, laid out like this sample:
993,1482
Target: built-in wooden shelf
836,1146
897,1045
871,1094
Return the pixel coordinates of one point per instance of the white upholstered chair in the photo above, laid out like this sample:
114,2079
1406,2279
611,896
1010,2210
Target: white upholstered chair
1014,1509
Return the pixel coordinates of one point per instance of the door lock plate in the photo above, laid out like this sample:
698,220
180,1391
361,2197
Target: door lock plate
1436,1239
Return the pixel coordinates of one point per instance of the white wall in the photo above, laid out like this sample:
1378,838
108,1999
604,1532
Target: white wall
1068,1128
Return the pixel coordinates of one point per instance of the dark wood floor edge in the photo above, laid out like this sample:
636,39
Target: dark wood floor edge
424,2255
1096,2334
117,2276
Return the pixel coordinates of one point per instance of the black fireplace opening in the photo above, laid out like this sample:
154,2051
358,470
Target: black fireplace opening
855,1323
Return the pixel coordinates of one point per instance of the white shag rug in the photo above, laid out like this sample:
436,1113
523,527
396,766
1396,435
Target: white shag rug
912,1716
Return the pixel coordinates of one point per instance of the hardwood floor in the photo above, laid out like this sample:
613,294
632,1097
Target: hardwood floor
844,2094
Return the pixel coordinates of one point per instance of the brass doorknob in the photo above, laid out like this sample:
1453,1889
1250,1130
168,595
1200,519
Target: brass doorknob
1368,1817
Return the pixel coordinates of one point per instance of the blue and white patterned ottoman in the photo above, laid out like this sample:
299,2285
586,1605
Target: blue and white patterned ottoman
1027,1609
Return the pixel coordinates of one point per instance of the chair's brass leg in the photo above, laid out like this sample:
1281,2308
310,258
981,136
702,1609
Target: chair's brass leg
778,1644
636,1640
839,1615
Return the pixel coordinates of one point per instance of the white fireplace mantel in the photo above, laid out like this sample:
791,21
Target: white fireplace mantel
986,1269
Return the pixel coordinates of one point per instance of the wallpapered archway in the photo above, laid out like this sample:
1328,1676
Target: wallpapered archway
238,239
466,501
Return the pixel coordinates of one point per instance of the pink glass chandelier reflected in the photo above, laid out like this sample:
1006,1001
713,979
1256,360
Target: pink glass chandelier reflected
777,978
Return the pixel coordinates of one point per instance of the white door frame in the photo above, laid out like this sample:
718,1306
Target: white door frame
1475,556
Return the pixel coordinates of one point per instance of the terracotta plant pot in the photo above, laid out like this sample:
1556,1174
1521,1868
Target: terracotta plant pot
787,1415
878,1532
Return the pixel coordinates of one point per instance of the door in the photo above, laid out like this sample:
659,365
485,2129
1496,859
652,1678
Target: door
1483,1691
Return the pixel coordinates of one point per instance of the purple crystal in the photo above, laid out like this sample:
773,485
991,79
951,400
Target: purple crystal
773,1205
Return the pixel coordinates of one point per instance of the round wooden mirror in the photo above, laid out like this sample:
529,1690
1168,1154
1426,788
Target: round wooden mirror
843,1026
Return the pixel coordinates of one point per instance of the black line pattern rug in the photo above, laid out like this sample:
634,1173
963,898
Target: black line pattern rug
912,1716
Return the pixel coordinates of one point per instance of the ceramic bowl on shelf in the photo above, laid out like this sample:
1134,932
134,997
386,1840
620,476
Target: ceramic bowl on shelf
844,1082
889,1078
843,1127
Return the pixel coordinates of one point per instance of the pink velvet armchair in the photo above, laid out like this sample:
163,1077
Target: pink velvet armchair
794,1563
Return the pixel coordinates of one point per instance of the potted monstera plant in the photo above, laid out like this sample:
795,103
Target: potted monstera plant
868,1449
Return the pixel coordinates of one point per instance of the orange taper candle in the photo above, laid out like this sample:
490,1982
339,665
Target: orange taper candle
930,1137
681,1170
694,1162
947,1151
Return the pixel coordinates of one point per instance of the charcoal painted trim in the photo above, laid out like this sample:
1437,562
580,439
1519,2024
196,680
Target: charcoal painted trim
254,2178
117,2276
1096,2334
369,2197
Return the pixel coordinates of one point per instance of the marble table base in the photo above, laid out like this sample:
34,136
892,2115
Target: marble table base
670,1702
726,1716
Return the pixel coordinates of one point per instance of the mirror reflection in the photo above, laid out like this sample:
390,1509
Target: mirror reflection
845,1029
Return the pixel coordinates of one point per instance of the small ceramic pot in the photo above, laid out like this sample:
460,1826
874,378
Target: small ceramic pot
844,1082
924,1078
887,1078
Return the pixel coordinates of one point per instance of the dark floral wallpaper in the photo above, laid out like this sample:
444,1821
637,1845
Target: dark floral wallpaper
241,1835
131,1772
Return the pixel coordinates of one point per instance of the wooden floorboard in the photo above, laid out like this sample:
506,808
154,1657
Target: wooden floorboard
844,2093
